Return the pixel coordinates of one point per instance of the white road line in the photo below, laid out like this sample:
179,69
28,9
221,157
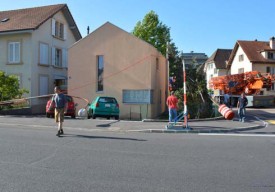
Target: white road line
237,135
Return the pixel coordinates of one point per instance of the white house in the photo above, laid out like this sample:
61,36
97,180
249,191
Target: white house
254,56
216,64
34,44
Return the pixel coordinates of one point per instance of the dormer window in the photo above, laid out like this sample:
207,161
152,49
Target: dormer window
270,55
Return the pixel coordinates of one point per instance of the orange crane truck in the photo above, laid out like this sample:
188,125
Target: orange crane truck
251,83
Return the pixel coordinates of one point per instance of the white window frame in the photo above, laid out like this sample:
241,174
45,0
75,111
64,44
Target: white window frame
14,56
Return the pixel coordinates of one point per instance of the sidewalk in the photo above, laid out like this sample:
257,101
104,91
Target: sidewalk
209,126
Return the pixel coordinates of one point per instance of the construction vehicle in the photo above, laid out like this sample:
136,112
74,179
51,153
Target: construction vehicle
251,83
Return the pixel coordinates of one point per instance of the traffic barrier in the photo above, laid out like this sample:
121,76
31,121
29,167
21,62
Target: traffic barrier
226,112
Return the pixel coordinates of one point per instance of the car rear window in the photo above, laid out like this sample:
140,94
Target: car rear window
107,100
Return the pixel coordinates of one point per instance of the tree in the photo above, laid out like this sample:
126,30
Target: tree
157,34
151,30
9,87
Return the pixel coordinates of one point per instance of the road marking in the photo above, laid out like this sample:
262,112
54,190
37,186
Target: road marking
237,135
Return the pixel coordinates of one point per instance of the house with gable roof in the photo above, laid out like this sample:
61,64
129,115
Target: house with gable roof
34,46
254,56
112,62
216,64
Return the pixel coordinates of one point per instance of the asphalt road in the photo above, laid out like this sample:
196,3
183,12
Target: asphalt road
33,159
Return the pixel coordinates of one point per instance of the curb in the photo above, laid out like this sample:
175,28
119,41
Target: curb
190,120
201,131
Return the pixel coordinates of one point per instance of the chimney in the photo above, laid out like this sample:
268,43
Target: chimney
88,30
272,42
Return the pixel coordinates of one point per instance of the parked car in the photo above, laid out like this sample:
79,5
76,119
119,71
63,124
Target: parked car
103,107
71,108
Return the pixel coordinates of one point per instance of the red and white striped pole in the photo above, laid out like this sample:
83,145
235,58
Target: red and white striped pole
184,96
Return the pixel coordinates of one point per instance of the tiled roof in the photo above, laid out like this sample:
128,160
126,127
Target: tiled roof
32,18
253,50
219,57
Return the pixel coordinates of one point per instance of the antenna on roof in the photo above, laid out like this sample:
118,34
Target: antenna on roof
88,30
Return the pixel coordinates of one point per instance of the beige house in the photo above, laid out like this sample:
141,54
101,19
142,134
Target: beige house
113,62
254,56
34,46
216,64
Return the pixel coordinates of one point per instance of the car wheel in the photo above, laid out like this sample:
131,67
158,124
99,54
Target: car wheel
73,116
48,115
116,117
108,118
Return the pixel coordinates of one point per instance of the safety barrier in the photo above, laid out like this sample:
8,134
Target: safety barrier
226,112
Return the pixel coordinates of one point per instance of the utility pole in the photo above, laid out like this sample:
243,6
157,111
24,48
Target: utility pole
184,96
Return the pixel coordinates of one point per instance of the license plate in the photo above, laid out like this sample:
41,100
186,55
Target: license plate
107,105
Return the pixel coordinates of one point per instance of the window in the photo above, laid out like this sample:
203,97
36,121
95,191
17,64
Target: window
43,54
14,52
271,70
240,70
270,55
58,29
100,72
241,58
58,57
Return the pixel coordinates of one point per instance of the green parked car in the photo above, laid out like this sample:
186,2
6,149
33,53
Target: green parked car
104,107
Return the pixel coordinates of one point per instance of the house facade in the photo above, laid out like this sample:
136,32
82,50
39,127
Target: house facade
254,56
34,46
216,64
113,62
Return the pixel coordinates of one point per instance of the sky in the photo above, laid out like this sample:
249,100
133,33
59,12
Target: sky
201,26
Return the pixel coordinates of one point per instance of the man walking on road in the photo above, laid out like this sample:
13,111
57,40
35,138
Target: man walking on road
60,108
172,103
242,103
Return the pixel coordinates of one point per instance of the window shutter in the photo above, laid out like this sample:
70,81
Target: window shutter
10,52
53,27
268,69
17,52
64,58
65,31
53,56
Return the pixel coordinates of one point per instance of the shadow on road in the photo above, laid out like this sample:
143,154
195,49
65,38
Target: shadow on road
101,137
107,124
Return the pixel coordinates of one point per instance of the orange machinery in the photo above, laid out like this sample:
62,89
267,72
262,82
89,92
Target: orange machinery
249,82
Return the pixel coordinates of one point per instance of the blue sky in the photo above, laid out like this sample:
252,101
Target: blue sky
195,25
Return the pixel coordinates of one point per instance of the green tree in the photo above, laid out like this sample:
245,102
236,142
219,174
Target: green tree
153,31
9,87
198,101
